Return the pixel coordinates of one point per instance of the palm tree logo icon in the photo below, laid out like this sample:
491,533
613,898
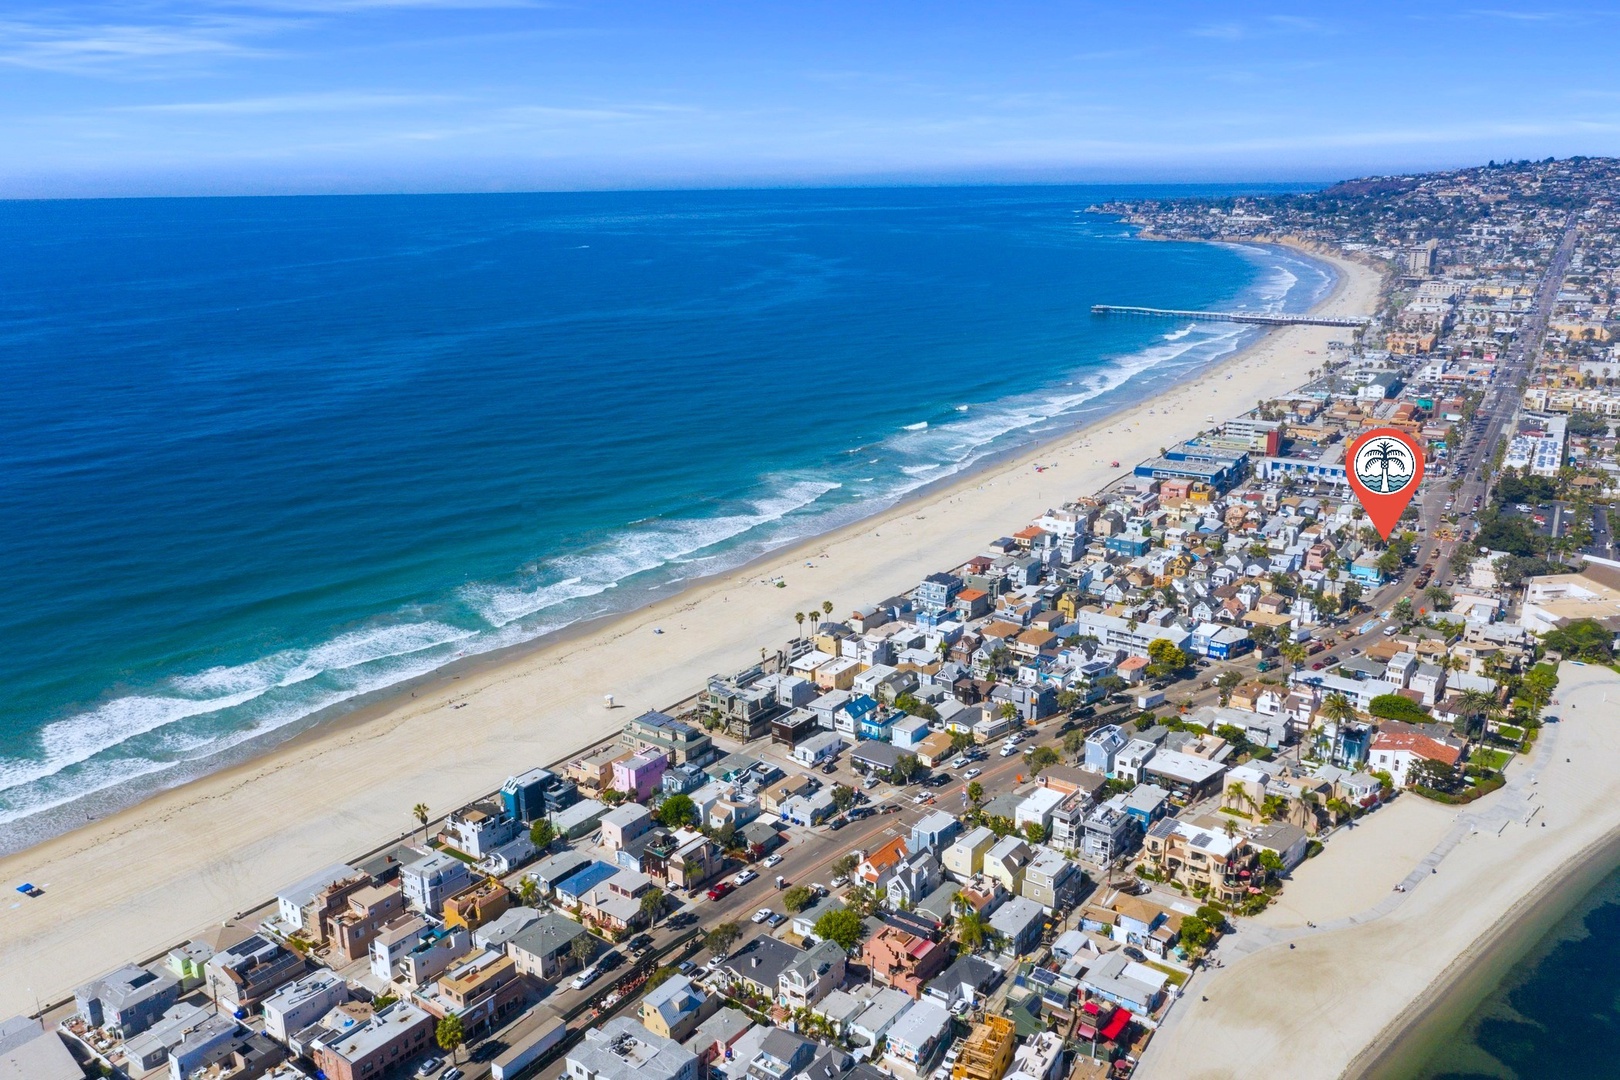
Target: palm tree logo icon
1384,466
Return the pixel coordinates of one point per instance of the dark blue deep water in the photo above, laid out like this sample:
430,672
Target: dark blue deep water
1558,1012
261,456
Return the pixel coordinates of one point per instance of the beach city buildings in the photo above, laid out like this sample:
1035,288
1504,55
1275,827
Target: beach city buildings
1114,617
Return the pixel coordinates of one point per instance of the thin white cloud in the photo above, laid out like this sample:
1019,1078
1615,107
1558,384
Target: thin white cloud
336,101
93,48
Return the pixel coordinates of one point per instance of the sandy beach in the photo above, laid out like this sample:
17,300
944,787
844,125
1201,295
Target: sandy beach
1352,995
137,881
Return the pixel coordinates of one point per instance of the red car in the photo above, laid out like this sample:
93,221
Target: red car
1317,666
717,891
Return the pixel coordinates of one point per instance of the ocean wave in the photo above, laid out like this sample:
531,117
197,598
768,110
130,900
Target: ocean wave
208,712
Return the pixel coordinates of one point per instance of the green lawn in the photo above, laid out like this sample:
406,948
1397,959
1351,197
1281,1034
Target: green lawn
1495,760
1175,976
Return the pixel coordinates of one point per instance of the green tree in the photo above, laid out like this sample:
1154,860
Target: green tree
449,1036
1164,658
676,811
652,904
1008,711
1397,707
1433,775
1074,742
843,797
1226,682
583,947
420,813
975,792
1042,757
542,833
1582,639
972,929
1035,832
906,767
659,977
844,865
798,898
720,939
1195,933
528,892
826,607
843,926
1271,863
798,617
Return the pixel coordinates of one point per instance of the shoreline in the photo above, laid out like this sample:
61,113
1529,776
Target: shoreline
1412,1038
217,844
29,832
1484,882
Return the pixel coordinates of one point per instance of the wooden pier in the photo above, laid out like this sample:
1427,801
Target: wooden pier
1258,318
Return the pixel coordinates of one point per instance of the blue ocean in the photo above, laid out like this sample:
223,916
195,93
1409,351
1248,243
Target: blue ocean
262,457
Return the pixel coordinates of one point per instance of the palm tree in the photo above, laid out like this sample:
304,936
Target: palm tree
420,813
814,617
1237,796
972,929
826,607
1337,708
798,617
1476,705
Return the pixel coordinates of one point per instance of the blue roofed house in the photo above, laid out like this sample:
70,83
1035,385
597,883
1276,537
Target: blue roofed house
1102,747
575,886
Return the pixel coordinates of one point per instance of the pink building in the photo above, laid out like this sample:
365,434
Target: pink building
638,775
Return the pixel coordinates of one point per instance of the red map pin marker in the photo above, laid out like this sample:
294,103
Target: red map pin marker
1384,467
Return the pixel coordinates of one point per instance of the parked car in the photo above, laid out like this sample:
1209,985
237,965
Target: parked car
582,980
640,942
1135,954
971,773
761,915
430,1066
773,859
837,823
686,967
720,889
744,877
453,1074
829,768
1008,751
776,919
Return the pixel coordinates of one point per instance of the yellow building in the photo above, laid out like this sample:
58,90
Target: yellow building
475,906
988,1051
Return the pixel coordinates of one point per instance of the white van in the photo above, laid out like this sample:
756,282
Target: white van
584,978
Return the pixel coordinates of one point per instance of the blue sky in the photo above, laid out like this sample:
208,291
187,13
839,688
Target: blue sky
162,96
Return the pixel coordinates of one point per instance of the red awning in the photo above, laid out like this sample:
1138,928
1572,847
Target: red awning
1091,1008
1116,1024
1086,1031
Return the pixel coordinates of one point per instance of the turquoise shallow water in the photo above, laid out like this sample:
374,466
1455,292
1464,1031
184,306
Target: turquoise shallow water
263,456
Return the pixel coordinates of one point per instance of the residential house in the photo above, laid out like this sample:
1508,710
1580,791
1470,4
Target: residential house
393,1035
817,972
675,1008
623,1049
544,950
902,960
1004,863
243,975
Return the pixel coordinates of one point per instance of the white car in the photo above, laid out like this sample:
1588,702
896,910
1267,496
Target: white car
744,877
971,773
959,762
761,915
773,860
1008,751
584,978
